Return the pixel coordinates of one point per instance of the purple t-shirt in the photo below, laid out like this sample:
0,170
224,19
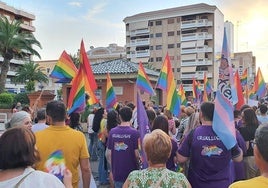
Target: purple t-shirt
123,141
170,163
209,159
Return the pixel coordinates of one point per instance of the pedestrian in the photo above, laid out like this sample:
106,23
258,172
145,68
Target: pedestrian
123,148
93,136
18,155
41,120
72,143
157,146
260,148
209,158
75,121
20,118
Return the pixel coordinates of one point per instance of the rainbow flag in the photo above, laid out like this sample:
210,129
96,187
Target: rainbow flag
223,118
182,96
110,94
55,164
89,79
77,97
143,122
166,82
196,90
143,82
239,90
207,88
64,69
244,78
259,85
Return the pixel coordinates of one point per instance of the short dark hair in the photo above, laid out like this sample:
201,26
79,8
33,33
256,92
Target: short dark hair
261,139
125,113
263,108
161,122
41,114
207,109
17,148
112,119
56,110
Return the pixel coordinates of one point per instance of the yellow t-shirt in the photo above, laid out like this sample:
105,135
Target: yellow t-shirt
258,182
71,142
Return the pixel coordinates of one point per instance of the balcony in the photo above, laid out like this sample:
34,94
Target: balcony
203,49
196,36
196,62
142,53
139,32
27,27
189,87
140,42
195,23
199,75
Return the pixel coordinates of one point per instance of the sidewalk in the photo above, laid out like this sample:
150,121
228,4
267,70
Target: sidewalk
94,169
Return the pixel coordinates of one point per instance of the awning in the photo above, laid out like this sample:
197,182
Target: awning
188,69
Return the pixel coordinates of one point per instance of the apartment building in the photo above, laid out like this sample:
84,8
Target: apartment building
192,35
12,13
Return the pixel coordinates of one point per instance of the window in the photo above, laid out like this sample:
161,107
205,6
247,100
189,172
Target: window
178,32
178,45
151,47
170,20
158,35
151,35
170,46
178,70
170,33
151,23
178,20
158,22
151,59
157,59
158,47
171,57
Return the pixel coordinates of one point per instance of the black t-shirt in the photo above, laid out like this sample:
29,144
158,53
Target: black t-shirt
248,133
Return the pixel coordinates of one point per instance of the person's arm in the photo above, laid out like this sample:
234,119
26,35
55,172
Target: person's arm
126,184
237,153
67,178
86,172
181,159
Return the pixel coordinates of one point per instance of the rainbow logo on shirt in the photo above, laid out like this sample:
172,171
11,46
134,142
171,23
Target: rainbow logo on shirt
55,164
211,150
118,146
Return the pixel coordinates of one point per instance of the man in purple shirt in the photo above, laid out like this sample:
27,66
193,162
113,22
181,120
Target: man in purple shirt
209,159
123,148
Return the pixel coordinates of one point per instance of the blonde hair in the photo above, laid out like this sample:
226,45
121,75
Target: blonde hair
157,146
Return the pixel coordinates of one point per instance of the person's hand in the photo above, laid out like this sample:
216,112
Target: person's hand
67,178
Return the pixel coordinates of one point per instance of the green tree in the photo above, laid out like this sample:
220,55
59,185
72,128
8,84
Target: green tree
14,43
30,73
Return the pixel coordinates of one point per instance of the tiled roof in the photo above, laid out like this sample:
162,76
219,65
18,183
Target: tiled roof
119,66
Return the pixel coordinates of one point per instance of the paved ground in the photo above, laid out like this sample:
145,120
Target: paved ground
94,168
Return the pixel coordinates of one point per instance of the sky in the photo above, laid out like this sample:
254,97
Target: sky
62,24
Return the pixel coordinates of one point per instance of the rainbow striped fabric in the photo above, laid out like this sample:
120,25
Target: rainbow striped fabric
182,96
89,79
207,88
244,78
77,100
110,94
166,82
223,118
64,69
55,164
143,82
259,85
239,90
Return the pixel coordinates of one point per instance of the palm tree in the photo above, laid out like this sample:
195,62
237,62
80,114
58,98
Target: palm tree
14,43
30,73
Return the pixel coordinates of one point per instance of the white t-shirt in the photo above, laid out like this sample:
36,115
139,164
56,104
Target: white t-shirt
35,179
90,123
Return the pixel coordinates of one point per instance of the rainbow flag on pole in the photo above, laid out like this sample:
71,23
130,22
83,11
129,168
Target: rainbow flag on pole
143,82
239,90
244,78
223,119
89,79
55,164
64,69
259,85
110,94
166,82
207,88
182,96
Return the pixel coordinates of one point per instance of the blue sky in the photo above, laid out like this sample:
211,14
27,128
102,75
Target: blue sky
61,24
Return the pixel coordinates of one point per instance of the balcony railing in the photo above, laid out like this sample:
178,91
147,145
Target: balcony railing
197,75
139,32
139,42
143,53
195,23
196,50
195,62
196,36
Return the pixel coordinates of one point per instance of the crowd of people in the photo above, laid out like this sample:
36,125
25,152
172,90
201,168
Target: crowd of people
181,151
